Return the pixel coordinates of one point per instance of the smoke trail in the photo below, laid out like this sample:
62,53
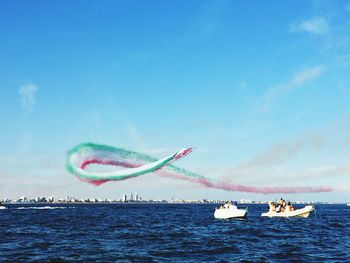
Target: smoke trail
242,188
83,155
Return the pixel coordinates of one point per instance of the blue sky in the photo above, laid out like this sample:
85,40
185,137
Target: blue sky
262,90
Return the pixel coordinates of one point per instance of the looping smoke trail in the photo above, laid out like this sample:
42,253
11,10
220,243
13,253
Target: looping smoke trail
136,164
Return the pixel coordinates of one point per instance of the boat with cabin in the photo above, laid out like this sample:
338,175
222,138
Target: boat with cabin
230,210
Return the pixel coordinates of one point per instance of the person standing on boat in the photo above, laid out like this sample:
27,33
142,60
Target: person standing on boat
284,205
278,208
280,202
281,207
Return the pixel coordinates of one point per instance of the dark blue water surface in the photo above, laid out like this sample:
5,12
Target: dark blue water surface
169,232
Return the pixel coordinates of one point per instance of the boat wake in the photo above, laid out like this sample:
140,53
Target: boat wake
43,207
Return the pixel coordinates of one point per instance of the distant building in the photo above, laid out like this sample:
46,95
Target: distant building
125,198
40,199
22,199
136,197
131,198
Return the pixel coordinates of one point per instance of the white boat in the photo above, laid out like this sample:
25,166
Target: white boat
302,212
230,211
2,207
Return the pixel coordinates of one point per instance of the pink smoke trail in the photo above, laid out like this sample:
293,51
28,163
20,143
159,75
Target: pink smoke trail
87,162
204,181
242,188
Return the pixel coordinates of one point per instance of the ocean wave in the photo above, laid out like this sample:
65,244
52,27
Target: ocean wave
43,207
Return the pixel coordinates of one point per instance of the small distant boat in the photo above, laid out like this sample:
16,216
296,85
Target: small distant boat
228,211
302,212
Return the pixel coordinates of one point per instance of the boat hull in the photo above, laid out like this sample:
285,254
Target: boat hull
302,212
230,213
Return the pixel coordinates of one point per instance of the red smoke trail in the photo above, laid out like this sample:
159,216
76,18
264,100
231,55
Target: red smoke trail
206,182
87,162
242,188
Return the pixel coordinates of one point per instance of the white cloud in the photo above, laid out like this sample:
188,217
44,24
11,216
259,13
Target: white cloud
27,95
306,75
316,25
324,171
299,79
270,161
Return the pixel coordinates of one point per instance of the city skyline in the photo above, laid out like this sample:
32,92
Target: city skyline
125,199
260,90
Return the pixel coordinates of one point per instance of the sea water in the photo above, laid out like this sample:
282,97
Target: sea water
171,233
